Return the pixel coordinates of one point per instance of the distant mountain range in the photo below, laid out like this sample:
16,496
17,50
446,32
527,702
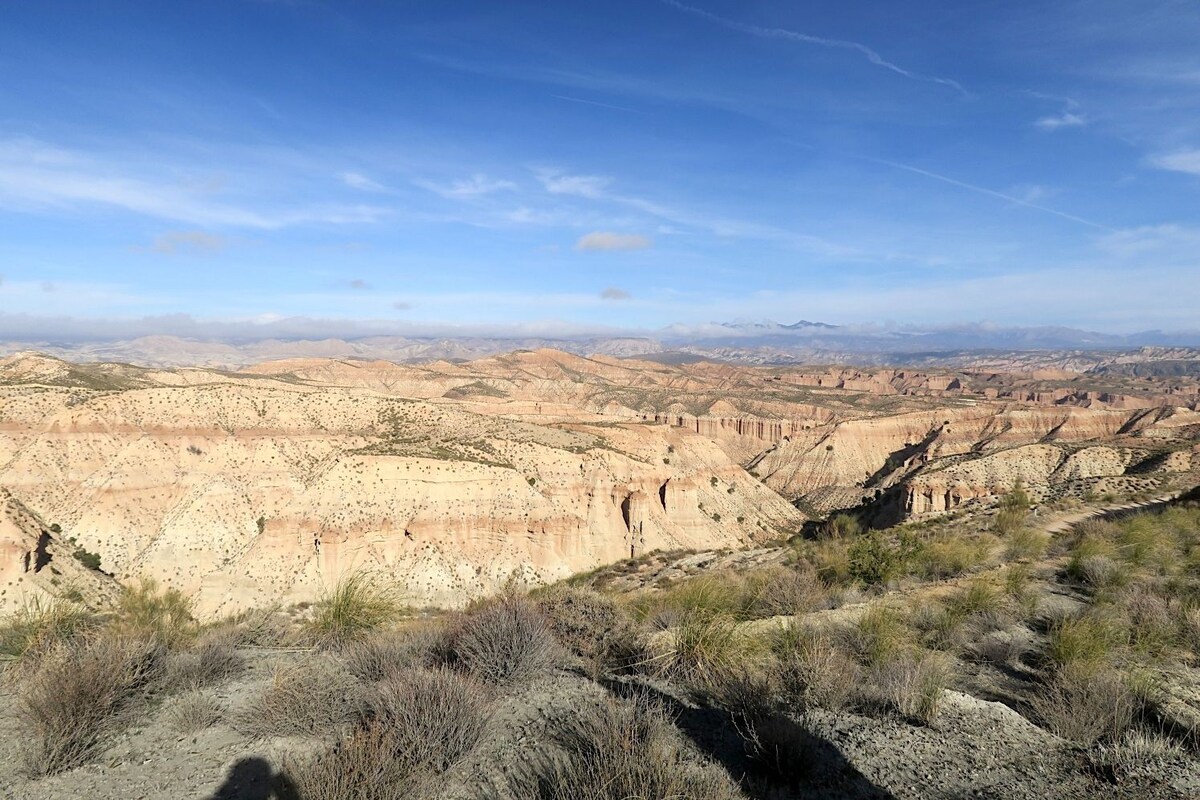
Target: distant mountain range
753,342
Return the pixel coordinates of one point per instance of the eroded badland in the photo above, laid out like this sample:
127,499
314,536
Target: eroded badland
266,484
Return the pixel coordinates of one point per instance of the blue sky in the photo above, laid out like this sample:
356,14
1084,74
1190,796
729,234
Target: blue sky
578,166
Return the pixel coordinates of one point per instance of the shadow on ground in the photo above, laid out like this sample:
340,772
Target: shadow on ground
815,768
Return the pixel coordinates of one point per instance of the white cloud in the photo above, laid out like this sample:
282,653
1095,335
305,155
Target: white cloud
606,241
1180,161
591,186
475,186
173,242
356,180
1066,119
613,293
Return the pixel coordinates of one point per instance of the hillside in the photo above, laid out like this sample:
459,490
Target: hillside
266,484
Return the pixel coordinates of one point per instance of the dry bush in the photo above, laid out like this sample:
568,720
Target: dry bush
783,591
595,628
312,698
912,684
363,765
79,693
1086,705
1153,627
999,648
816,671
420,724
351,609
165,616
505,641
435,717
621,751
385,654
774,744
193,712
212,659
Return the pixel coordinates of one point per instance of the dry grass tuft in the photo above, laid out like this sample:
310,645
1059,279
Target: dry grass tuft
313,698
37,627
1086,706
211,660
193,712
705,648
79,693
913,683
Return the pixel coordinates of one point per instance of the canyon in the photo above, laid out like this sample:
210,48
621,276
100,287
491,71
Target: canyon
266,484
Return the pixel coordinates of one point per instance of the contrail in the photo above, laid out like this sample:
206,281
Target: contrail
795,36
990,193
595,103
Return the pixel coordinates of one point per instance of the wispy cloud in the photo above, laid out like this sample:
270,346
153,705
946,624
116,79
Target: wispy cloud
795,36
174,242
356,180
990,193
607,241
36,176
581,100
1179,161
613,293
475,186
1170,242
1066,119
594,187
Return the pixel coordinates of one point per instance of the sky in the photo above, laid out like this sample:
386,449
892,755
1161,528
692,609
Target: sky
571,167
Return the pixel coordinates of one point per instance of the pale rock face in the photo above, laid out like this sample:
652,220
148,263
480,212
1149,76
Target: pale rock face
173,483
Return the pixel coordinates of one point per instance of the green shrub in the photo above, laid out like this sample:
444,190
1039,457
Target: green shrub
352,609
1085,641
36,627
874,560
879,633
87,558
165,616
